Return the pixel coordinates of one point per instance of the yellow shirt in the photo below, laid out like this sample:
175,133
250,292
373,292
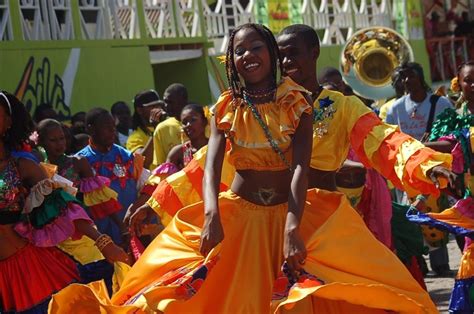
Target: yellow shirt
167,135
138,139
340,122
331,138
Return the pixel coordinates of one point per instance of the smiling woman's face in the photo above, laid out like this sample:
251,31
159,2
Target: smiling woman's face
252,59
466,82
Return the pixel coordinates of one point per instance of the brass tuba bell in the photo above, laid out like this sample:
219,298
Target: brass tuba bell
369,58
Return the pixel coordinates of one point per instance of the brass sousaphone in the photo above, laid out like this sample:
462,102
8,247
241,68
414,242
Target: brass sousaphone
369,58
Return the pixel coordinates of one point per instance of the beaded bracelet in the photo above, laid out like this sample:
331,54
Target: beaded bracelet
102,241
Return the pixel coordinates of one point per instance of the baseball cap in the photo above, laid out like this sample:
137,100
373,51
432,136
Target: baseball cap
146,98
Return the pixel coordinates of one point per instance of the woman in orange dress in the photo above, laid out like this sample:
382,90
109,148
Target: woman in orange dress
267,244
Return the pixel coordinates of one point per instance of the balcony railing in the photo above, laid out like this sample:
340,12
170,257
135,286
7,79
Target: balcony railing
157,19
446,54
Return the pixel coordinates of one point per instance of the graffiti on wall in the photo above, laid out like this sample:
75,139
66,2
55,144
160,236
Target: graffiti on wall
41,86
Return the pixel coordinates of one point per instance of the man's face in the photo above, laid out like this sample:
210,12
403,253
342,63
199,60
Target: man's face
299,61
411,81
174,103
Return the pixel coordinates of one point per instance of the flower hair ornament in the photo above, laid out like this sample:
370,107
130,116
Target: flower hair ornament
455,85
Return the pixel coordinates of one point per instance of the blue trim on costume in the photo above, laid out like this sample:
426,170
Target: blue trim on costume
462,297
25,155
415,216
96,271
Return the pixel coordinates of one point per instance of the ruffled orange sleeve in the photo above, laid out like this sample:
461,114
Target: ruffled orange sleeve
293,104
397,156
224,111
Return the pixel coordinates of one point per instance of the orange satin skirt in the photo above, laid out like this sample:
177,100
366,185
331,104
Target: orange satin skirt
347,270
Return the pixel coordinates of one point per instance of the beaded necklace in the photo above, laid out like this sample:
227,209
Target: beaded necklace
266,130
259,93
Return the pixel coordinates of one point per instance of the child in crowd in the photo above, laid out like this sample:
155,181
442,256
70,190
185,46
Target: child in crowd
101,200
114,162
194,124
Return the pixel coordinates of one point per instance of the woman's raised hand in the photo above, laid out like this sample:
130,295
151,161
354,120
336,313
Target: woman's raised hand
455,185
212,233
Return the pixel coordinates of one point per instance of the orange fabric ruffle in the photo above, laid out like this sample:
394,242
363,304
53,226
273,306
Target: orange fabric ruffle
239,275
185,187
252,149
397,156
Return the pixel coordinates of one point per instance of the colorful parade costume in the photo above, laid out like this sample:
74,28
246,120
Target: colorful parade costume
44,216
373,202
456,127
184,187
246,273
101,201
341,122
458,220
123,169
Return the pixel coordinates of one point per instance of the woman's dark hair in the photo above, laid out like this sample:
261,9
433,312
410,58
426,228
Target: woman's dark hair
45,125
94,115
197,109
396,75
138,123
22,124
232,76
463,65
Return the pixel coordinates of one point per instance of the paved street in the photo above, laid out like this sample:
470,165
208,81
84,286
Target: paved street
440,288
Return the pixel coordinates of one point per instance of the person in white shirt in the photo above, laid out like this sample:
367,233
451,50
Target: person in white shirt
411,112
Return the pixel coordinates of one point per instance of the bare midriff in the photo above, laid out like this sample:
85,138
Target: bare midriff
10,241
267,188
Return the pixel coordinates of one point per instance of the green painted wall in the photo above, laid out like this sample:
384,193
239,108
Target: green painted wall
191,73
92,76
